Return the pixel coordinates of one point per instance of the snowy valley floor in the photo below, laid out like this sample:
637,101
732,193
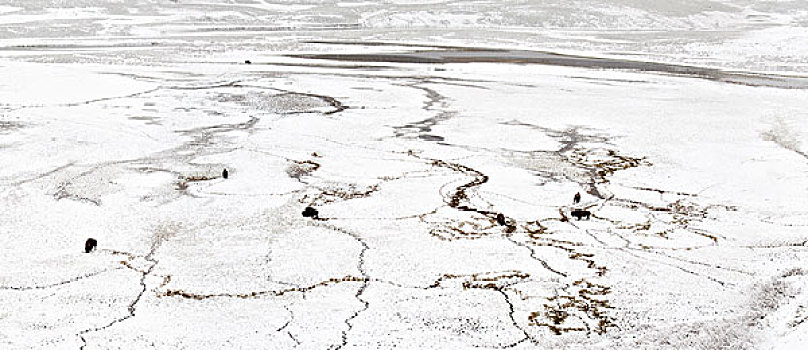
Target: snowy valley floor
697,184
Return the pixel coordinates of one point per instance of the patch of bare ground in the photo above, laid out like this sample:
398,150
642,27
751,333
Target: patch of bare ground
331,193
584,309
301,168
183,182
259,294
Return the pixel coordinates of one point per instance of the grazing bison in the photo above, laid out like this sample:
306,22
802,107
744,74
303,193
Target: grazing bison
90,245
224,173
310,212
247,62
501,219
579,214
577,198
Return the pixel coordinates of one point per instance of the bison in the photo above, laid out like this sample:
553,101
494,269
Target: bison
310,212
90,245
580,213
224,173
577,198
501,219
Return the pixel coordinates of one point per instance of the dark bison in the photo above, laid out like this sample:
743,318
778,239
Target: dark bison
501,219
577,198
90,245
310,212
247,62
579,214
224,173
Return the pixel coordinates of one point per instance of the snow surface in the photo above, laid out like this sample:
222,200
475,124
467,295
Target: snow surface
409,125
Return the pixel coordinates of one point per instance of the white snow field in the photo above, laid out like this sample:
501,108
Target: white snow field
410,126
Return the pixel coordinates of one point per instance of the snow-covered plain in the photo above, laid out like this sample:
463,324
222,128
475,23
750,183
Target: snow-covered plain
409,125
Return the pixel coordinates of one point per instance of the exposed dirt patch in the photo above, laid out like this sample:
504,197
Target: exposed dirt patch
8,126
183,182
338,192
299,169
583,310
285,102
259,294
